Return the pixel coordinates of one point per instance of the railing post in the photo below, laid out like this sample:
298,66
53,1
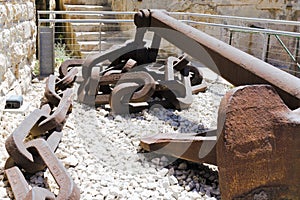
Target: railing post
100,36
230,37
296,67
46,50
266,48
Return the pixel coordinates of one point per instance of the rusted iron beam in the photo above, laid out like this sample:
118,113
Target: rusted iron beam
236,66
184,146
258,145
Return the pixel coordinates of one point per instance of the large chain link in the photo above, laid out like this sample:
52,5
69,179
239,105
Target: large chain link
32,144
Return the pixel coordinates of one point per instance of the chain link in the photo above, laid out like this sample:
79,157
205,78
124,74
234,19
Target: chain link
32,144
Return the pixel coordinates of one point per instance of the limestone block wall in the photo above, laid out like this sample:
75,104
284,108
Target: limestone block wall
276,9
17,45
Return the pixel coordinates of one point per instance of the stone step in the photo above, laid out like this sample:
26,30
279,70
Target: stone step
86,36
93,45
86,54
87,2
106,36
77,7
94,27
91,16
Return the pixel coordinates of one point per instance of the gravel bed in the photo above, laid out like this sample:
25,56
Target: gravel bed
102,154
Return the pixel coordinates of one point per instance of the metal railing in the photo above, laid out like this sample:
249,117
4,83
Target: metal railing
274,41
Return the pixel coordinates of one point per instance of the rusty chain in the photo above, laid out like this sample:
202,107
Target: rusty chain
146,80
32,144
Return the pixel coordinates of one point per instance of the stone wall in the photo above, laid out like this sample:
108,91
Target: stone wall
275,9
17,45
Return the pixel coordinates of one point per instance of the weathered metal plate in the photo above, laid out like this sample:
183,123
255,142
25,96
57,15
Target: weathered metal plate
258,146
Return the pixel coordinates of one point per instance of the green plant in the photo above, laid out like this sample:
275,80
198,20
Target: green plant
36,68
60,53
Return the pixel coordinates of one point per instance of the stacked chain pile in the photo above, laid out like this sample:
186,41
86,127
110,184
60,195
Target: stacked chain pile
32,144
127,81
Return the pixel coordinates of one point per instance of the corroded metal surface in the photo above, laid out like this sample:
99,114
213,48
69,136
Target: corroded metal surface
130,64
68,65
32,144
67,187
21,188
144,80
258,146
37,193
180,97
14,143
31,166
18,183
184,146
120,97
68,80
57,118
236,66
51,94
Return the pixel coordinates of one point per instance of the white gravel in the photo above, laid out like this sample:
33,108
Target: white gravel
101,152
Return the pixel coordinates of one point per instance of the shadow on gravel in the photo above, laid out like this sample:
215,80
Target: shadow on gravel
196,177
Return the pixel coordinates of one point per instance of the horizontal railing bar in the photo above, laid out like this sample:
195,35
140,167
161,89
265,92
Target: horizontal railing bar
86,20
249,29
231,27
274,21
249,19
252,19
86,12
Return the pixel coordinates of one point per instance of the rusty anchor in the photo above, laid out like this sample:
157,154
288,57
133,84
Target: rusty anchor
254,145
257,143
259,134
237,67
